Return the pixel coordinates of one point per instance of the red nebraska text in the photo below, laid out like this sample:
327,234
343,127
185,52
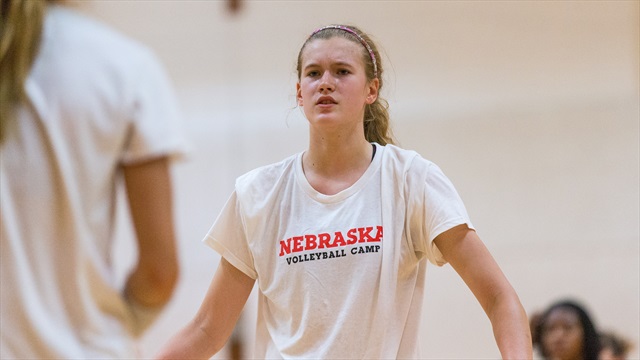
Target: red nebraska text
300,243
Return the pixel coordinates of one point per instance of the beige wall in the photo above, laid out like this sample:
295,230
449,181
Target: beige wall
531,108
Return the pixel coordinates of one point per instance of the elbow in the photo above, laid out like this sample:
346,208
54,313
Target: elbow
204,339
163,280
153,284
506,300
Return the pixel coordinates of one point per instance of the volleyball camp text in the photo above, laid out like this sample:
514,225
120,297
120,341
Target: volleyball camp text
338,239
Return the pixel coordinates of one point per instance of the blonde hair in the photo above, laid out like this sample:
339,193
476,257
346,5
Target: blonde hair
20,33
376,119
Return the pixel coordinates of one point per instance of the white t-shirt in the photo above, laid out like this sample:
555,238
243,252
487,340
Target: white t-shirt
96,100
339,276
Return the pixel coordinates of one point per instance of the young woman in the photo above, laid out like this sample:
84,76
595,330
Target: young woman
565,332
338,236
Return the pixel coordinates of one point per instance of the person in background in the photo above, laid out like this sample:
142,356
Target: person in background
565,331
338,237
614,347
82,110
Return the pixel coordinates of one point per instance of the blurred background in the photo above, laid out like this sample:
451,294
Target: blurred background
530,107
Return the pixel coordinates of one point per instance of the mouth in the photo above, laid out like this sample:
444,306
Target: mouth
557,348
326,100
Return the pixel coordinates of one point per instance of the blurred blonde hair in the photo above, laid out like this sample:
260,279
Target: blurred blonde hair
20,33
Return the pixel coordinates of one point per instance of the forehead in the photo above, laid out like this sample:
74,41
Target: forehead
337,49
563,315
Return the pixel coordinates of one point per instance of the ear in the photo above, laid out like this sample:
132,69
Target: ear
372,89
299,94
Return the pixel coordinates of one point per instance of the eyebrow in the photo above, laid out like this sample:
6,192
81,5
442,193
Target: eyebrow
337,64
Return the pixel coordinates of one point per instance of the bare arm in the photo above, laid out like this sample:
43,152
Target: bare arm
213,324
149,193
466,253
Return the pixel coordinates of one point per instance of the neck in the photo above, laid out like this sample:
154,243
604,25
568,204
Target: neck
334,156
332,166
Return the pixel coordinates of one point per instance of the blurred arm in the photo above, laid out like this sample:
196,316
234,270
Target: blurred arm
466,253
149,192
213,324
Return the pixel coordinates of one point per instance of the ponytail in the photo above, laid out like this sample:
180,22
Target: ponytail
376,124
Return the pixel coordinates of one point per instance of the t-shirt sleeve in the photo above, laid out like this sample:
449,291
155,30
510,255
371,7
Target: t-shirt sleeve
436,208
155,119
228,237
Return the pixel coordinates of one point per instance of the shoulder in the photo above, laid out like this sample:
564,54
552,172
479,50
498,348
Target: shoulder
73,31
85,63
263,179
405,162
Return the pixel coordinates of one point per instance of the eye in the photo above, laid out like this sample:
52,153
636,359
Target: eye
344,72
313,73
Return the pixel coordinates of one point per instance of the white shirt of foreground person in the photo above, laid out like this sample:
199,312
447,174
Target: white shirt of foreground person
96,100
339,276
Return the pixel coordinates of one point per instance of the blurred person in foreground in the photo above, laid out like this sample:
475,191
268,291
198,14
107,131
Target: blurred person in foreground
82,108
565,331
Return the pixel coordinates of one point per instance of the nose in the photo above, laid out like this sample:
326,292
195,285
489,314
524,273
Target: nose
327,83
